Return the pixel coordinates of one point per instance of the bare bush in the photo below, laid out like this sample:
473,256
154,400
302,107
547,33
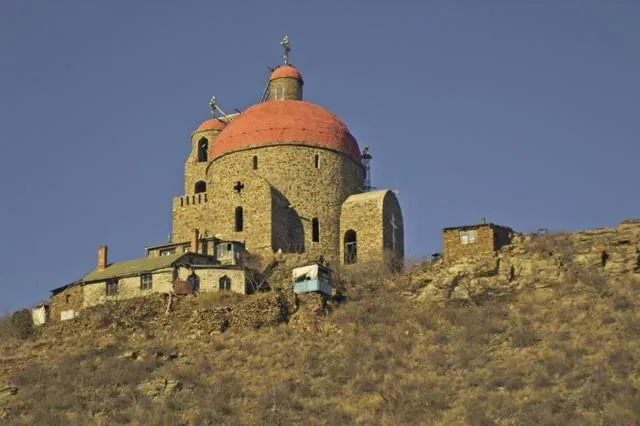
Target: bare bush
22,324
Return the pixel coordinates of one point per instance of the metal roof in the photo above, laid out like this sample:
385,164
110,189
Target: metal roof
133,267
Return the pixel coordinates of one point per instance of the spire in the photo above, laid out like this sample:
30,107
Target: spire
285,45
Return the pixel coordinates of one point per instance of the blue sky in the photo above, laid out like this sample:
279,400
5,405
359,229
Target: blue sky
523,112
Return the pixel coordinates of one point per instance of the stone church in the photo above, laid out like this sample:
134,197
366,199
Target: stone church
283,177
286,176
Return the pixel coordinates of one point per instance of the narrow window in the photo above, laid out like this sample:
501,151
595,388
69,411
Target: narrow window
224,283
203,147
194,281
112,287
201,186
315,230
146,282
255,162
279,93
350,247
239,219
67,298
317,161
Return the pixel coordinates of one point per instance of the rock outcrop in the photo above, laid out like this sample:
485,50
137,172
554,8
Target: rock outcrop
536,261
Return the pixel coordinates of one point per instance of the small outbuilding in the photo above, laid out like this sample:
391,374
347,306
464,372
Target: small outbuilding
313,278
474,240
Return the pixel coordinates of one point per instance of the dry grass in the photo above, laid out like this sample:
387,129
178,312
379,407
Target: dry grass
566,355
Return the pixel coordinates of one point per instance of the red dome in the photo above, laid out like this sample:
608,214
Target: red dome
286,122
211,124
285,71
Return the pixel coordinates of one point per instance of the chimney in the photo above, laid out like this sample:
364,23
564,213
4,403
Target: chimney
195,236
102,258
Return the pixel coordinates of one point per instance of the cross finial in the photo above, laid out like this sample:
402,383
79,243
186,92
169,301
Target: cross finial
214,105
285,45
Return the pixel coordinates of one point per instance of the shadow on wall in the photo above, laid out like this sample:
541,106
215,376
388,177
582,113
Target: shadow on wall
287,231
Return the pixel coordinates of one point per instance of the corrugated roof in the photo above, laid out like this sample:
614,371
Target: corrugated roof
133,267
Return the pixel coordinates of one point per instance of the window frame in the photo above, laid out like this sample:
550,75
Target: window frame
112,287
146,281
202,143
468,236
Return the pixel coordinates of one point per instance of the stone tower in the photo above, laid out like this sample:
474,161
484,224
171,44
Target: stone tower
286,175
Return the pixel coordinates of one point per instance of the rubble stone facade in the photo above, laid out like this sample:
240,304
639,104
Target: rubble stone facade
276,178
474,240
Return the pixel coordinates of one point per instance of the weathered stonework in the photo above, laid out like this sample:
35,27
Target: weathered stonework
479,240
95,293
376,219
279,199
285,88
68,299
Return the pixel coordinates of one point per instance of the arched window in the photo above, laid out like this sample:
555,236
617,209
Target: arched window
239,219
224,283
316,161
67,298
194,281
255,162
201,186
350,247
203,147
315,230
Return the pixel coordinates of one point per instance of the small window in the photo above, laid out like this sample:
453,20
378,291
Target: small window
239,219
279,93
201,186
67,298
315,230
112,287
468,237
146,281
255,162
225,283
203,147
167,252
316,161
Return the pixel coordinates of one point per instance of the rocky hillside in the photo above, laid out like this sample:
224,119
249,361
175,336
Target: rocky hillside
544,333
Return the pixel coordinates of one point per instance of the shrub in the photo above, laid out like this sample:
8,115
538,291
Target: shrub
22,324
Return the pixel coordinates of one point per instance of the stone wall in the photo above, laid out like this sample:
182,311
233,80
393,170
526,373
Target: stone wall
194,170
210,278
279,199
371,215
68,299
129,287
454,249
291,88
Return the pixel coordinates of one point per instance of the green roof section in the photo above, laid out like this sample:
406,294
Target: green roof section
133,267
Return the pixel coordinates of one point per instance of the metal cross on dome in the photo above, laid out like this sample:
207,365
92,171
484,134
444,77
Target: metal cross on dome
214,105
285,45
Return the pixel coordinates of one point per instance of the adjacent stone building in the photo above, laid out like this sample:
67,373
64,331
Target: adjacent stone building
482,239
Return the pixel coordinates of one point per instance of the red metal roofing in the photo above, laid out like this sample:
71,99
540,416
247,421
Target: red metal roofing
286,122
286,71
211,124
